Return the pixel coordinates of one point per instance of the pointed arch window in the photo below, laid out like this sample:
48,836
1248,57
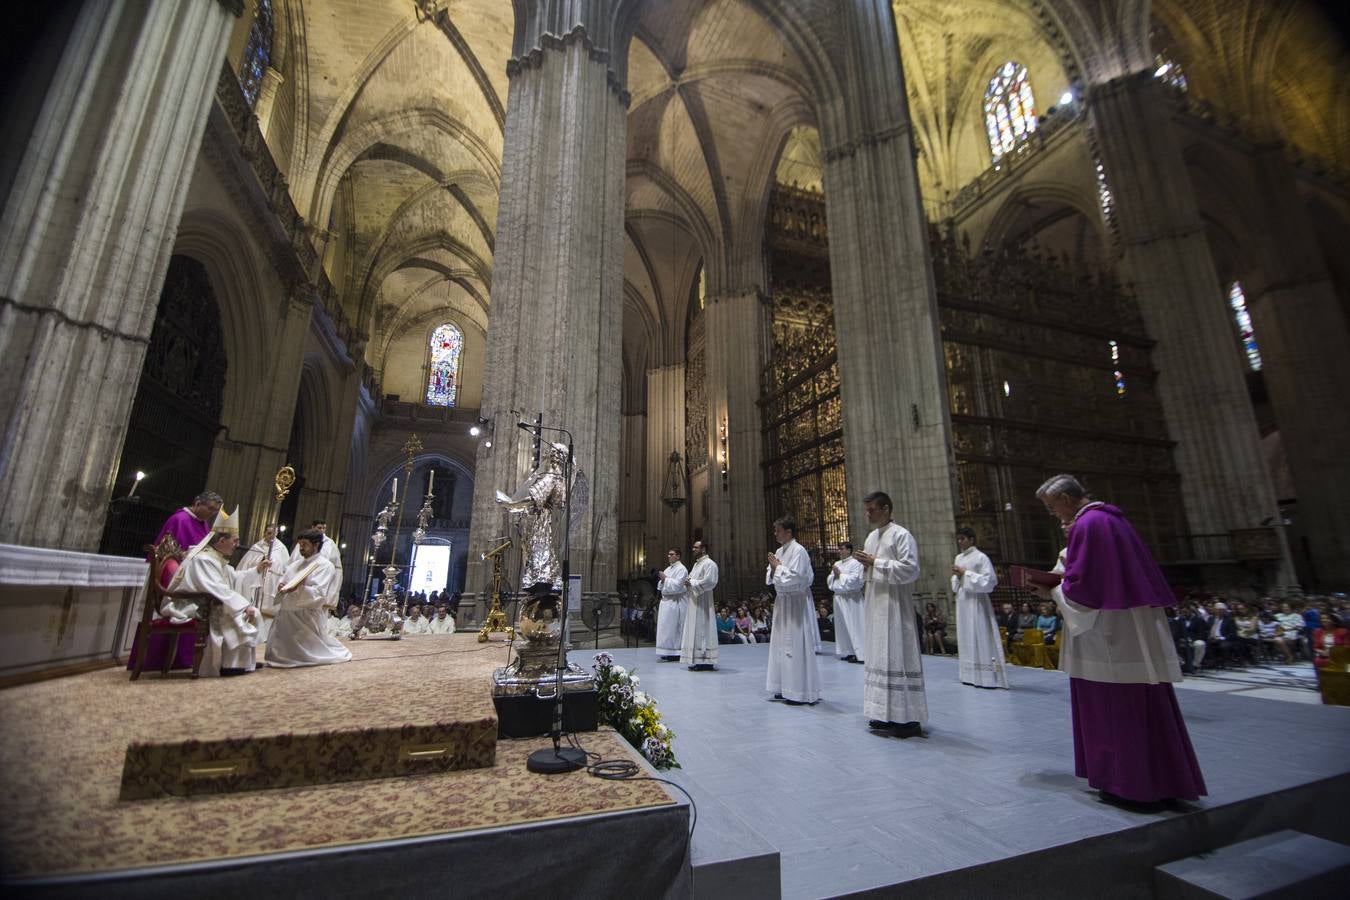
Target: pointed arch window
257,52
446,346
1169,71
1237,301
1009,109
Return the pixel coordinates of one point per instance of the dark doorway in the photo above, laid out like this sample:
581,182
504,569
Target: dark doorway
176,413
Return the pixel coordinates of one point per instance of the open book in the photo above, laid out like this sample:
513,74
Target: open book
299,577
1023,577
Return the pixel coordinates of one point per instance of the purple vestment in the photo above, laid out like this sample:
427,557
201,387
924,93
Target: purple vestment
1107,565
188,531
1129,738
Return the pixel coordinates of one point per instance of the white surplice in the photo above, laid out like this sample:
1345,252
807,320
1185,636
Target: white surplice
415,626
977,640
271,580
698,644
233,635
893,682
670,614
1116,646
441,625
300,633
792,655
329,551
847,587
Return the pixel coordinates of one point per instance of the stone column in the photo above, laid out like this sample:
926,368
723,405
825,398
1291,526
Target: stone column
897,432
553,342
1224,480
85,239
267,98
738,531
1304,341
665,527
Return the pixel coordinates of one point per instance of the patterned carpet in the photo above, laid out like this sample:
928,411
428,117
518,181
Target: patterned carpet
62,744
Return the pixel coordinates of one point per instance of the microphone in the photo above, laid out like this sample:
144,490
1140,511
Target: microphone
526,426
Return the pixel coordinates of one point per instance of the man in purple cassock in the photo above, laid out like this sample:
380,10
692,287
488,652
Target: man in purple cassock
1129,739
188,526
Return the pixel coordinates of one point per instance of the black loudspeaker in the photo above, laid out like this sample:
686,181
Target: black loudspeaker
529,716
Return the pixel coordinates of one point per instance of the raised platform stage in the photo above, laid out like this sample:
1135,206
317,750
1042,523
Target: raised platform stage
806,802
282,762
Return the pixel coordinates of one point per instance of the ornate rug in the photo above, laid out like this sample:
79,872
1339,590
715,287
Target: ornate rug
62,744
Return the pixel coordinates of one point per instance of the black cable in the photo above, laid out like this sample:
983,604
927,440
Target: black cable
487,646
627,770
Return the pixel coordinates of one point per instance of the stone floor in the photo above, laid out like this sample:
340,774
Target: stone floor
846,810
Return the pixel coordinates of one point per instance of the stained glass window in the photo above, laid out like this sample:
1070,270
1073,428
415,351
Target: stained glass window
257,52
1009,109
1169,71
1117,375
1237,299
447,342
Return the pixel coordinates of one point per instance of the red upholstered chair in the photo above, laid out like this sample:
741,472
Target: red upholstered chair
164,560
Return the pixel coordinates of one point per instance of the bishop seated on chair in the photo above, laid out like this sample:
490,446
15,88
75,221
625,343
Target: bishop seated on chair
206,570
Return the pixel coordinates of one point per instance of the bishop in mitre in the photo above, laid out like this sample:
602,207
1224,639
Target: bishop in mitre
300,636
893,693
272,549
207,570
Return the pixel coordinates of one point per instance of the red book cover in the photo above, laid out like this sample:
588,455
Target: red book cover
1023,577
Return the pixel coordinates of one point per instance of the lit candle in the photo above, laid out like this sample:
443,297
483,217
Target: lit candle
393,495
431,480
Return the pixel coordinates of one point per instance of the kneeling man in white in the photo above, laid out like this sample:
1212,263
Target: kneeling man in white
300,633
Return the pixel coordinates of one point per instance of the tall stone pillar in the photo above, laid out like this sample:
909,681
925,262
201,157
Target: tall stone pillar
665,528
738,532
267,99
897,431
1224,481
1304,341
85,238
553,342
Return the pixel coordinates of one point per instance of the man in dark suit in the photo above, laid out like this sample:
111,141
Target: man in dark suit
1222,636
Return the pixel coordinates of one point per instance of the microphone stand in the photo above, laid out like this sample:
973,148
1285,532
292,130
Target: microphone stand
559,759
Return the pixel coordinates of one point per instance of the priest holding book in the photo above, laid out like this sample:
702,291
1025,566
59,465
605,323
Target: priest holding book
1130,740
300,634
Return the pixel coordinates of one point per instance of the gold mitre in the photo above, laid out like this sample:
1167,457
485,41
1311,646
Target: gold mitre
226,524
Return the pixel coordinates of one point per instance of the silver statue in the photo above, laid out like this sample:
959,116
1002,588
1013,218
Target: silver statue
535,502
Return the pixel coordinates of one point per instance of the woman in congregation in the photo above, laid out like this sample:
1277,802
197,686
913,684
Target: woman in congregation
934,630
1130,741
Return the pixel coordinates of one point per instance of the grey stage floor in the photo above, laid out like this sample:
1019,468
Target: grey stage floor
846,810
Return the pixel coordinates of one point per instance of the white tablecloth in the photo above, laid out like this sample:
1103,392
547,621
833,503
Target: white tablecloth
40,567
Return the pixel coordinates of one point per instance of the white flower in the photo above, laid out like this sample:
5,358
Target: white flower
635,680
641,698
620,670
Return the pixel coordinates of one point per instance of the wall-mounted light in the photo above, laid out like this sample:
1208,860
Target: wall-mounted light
722,464
481,427
140,476
1066,98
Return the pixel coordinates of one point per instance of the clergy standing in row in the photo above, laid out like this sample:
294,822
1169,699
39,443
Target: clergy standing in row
698,646
846,581
272,549
670,614
893,695
793,675
233,626
978,645
1129,739
300,634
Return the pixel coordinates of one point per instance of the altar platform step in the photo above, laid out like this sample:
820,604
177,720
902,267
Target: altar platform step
417,706
1285,865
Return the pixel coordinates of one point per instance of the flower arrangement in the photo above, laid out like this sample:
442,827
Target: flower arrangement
632,712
